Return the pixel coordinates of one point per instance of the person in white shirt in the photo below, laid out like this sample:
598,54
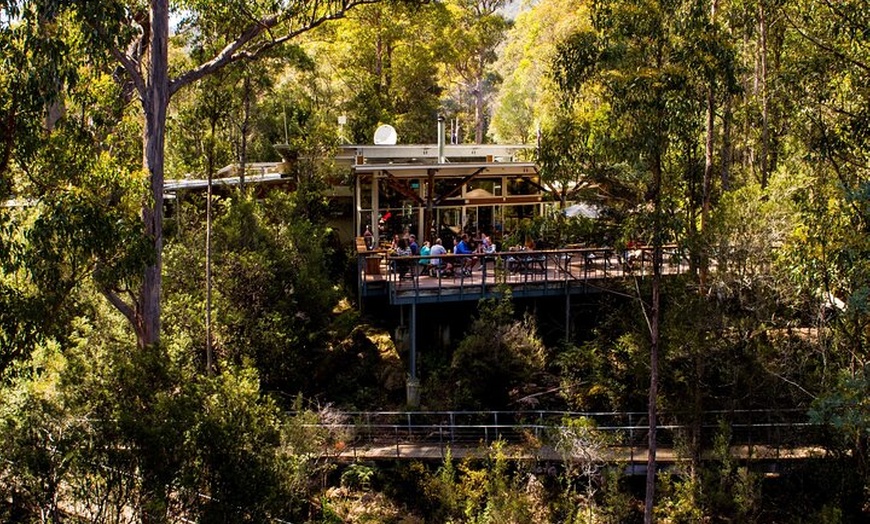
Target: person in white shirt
435,251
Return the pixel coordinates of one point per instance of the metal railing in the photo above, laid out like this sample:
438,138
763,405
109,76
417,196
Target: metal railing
534,271
768,429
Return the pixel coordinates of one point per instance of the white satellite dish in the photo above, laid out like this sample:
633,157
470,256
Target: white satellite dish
385,135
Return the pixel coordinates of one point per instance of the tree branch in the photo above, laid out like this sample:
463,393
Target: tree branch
131,67
120,305
235,50
826,47
839,13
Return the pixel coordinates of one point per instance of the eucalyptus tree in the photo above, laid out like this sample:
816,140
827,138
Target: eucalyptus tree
829,254
136,36
381,63
574,160
66,156
633,55
477,29
528,99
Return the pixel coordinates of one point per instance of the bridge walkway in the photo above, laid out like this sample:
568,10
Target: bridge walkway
611,437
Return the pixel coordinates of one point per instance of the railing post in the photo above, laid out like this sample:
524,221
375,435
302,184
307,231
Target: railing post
452,428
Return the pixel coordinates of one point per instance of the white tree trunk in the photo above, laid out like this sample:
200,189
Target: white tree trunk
155,102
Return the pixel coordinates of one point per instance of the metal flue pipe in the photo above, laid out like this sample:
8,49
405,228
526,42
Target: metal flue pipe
440,139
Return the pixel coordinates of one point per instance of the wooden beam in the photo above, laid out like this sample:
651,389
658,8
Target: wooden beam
458,187
403,188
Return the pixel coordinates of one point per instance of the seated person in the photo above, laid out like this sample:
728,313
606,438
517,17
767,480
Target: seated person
425,250
514,260
423,263
402,250
486,247
436,263
486,244
464,248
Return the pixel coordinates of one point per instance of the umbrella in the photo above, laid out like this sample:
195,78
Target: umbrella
583,210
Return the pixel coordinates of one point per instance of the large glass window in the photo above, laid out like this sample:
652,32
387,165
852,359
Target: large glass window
521,186
443,186
365,192
517,218
389,197
484,187
449,224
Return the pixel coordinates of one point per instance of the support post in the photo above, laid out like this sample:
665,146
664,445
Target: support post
413,385
376,210
413,344
567,317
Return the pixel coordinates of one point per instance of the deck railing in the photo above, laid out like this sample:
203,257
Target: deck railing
533,271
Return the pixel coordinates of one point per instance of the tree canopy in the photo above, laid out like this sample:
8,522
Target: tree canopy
738,132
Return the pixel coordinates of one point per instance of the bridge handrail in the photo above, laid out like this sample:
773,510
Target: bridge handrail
751,427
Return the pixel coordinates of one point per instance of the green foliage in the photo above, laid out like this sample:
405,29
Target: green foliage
602,373
357,476
528,98
845,409
498,358
114,430
81,228
679,501
387,58
273,294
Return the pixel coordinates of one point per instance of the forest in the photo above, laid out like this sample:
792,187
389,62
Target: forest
189,360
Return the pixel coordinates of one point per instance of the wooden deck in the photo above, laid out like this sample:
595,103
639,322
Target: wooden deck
526,273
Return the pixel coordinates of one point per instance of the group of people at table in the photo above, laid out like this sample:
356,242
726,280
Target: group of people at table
435,259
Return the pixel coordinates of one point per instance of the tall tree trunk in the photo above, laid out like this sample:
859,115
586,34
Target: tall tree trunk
478,112
654,344
478,101
243,140
209,363
765,110
707,187
727,153
658,151
154,101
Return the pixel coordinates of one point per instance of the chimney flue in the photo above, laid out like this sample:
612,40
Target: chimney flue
441,139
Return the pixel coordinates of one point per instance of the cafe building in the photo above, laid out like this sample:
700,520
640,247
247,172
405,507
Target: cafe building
439,190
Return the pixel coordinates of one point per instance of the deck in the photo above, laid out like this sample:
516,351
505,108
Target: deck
537,273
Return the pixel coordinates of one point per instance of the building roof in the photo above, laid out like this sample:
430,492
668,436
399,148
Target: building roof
452,170
200,183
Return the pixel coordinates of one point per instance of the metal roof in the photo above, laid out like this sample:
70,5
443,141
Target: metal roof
421,153
453,170
176,185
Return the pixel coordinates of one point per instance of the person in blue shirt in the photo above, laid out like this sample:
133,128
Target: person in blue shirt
464,248
415,249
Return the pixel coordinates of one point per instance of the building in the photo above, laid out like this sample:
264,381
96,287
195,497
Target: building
427,190
441,192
